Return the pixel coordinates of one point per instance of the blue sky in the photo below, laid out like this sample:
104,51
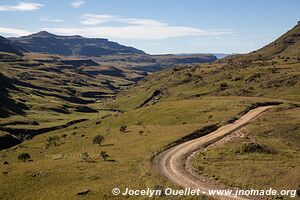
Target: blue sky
157,26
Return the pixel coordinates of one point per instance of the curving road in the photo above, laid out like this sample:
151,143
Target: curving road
171,163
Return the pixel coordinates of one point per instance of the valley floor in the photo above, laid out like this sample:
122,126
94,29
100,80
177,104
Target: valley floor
60,171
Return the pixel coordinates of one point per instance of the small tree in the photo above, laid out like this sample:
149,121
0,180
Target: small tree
223,86
141,132
99,139
123,128
104,155
24,157
52,140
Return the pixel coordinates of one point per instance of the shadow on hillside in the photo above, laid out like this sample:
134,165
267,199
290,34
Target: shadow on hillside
9,106
106,145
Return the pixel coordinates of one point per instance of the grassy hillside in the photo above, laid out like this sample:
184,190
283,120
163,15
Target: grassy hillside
269,79
45,91
287,45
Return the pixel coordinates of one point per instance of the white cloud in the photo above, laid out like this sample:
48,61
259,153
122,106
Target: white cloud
91,19
47,19
21,7
137,32
143,22
13,31
77,3
132,28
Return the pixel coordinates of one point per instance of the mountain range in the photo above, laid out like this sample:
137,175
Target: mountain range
44,42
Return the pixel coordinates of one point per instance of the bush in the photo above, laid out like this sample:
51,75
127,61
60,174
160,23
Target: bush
52,141
223,86
256,148
123,129
99,139
141,132
24,157
232,119
104,155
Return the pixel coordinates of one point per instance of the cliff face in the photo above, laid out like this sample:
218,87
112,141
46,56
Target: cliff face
44,42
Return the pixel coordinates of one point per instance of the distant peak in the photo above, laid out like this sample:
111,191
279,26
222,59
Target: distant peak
43,34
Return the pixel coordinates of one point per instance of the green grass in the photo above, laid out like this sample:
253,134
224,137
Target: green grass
63,178
274,80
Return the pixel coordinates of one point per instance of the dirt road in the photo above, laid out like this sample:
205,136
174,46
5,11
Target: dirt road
172,162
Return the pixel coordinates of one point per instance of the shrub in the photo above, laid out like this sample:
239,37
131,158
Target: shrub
123,129
256,148
24,157
232,119
99,139
104,155
223,86
52,141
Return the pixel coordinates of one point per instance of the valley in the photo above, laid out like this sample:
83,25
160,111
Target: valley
58,99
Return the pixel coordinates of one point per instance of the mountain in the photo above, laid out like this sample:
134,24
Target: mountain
286,45
152,63
44,42
218,55
270,72
8,47
184,59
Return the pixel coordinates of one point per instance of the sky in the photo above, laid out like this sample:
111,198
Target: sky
157,26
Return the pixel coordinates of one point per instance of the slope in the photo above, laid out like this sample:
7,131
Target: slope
8,47
287,45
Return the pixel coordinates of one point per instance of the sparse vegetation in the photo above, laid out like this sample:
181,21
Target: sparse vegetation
52,141
24,157
255,148
123,129
104,155
98,139
223,86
